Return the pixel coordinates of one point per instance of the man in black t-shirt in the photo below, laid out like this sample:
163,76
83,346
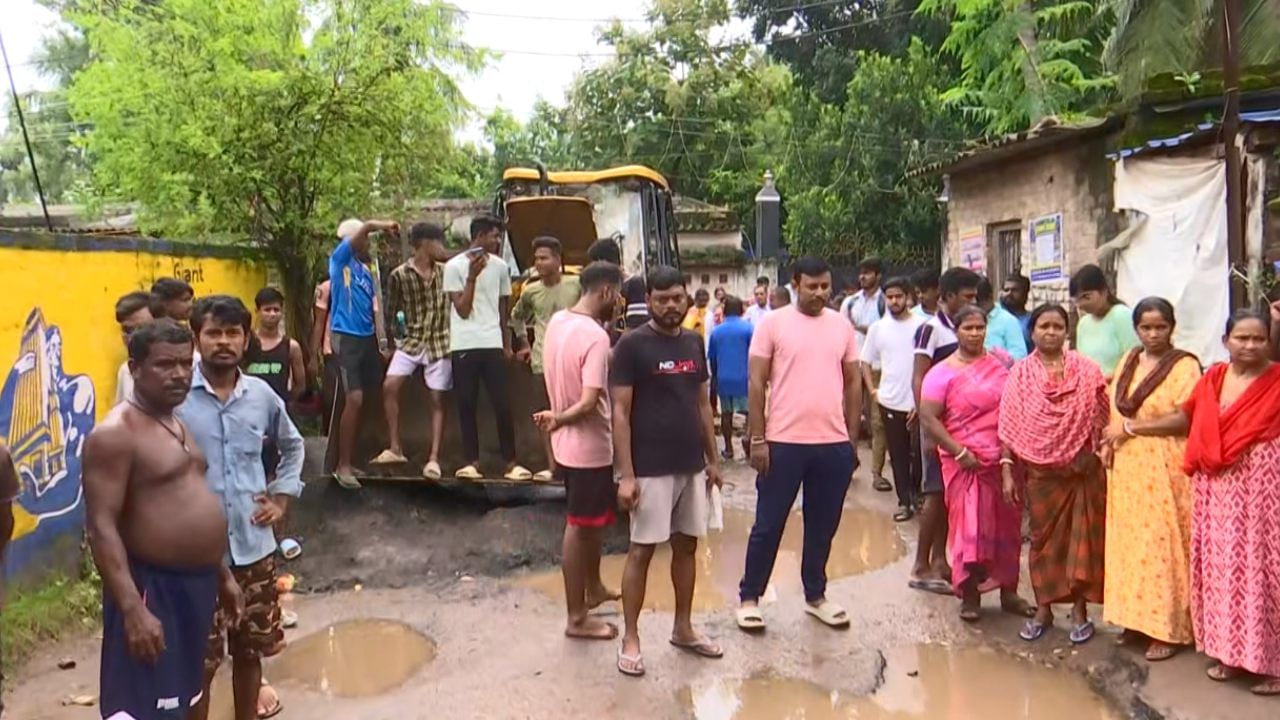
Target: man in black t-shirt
664,441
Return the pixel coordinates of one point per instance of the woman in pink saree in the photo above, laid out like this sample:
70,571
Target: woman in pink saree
960,407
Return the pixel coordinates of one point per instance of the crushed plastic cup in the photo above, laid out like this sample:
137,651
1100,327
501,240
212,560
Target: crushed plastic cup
290,548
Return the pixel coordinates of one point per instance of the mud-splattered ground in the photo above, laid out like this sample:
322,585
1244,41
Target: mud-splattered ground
466,628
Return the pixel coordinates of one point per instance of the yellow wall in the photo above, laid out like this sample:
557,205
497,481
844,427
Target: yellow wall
68,287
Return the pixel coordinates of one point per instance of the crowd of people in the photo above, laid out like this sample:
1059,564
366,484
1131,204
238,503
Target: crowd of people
1150,486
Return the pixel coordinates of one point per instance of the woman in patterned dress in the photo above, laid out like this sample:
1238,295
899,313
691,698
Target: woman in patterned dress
1148,563
1052,414
1233,456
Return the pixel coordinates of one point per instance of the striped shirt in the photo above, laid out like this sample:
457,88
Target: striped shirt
425,307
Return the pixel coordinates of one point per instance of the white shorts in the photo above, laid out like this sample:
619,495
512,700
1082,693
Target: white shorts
670,504
438,374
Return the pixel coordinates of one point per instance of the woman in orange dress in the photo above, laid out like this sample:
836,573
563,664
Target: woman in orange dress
1148,561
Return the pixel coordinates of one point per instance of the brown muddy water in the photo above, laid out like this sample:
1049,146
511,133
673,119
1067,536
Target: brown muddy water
926,681
359,658
866,541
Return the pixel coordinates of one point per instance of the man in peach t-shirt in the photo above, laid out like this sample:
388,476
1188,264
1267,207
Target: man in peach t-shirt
575,360
804,358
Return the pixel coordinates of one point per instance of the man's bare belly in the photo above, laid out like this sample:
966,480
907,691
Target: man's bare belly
175,524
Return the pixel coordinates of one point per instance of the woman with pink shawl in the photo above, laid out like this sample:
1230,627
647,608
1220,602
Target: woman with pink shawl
960,407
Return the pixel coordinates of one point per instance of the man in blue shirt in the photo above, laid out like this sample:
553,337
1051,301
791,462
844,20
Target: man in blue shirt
727,353
230,414
1017,291
1003,329
355,343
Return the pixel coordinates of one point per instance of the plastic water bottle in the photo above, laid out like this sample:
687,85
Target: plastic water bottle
401,329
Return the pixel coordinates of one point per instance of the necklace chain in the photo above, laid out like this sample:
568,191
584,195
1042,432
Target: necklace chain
182,439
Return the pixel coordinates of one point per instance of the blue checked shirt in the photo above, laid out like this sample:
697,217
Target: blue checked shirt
231,437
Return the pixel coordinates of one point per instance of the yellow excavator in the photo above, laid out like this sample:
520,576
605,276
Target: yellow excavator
631,204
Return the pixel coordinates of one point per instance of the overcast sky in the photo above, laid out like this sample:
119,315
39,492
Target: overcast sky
544,44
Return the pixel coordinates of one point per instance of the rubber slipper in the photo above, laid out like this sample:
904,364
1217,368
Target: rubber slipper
1082,633
468,472
1022,608
389,457
1033,631
932,585
519,473
542,476
831,614
276,706
347,482
904,514
702,648
1267,688
1162,651
630,665
750,619
881,485
970,615
1223,673
431,470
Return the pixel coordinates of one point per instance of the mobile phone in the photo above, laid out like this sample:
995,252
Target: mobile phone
475,252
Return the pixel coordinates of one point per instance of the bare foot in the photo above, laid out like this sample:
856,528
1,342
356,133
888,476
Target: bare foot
1011,603
589,628
598,596
1223,673
1269,686
1159,650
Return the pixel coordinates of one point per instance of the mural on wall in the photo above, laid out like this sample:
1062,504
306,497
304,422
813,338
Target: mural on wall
45,417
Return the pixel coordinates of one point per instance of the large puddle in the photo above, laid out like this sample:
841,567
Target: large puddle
928,681
865,541
359,658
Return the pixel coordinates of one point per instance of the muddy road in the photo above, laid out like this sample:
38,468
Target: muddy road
458,615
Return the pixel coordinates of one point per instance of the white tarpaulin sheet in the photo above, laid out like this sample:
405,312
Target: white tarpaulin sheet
1180,252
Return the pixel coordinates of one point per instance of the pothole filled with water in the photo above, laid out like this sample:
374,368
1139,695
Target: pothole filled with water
926,681
866,541
358,658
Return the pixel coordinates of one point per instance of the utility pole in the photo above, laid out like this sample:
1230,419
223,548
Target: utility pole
22,121
1230,136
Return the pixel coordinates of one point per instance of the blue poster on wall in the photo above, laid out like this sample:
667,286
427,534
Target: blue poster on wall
45,416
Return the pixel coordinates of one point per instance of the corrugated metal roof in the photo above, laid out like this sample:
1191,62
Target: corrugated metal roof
1200,131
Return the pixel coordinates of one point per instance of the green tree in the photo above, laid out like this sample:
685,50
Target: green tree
1022,61
847,194
1183,37
267,121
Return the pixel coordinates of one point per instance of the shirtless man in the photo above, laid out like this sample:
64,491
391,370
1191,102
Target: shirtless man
158,536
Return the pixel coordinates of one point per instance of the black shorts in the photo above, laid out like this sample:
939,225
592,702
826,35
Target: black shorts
359,363
541,400
591,495
931,468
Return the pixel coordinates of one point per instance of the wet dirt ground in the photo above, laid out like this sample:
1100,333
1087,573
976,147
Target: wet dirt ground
456,618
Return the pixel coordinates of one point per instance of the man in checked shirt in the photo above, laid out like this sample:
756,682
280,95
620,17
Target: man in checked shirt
416,288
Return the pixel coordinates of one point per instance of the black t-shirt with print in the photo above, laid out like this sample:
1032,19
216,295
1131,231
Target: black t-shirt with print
666,375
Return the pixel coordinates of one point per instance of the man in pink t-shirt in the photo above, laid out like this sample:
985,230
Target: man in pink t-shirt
804,359
575,360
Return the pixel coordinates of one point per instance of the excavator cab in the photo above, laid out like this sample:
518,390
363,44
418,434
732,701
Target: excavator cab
631,204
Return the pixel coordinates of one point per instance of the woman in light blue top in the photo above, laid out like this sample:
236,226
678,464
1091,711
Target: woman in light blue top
1105,331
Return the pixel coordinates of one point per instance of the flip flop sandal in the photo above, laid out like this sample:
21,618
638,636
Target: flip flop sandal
276,708
932,585
881,485
1161,652
468,472
630,665
1033,631
970,615
1267,688
1082,633
750,619
389,457
829,613
519,474
702,648
431,470
1021,609
347,482
904,514
1223,673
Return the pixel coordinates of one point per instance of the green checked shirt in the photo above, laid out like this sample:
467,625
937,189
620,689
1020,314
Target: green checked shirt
425,307
535,307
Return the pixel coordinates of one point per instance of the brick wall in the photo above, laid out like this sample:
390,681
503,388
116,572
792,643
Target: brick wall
1073,180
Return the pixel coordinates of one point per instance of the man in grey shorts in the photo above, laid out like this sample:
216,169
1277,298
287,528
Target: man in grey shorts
666,455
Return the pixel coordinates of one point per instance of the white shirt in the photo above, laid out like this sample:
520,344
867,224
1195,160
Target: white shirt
859,309
891,345
755,314
124,383
482,330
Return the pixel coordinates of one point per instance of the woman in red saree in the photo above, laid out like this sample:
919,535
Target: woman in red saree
1052,414
1232,422
960,407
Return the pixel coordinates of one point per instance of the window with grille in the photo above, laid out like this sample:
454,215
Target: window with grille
1006,240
